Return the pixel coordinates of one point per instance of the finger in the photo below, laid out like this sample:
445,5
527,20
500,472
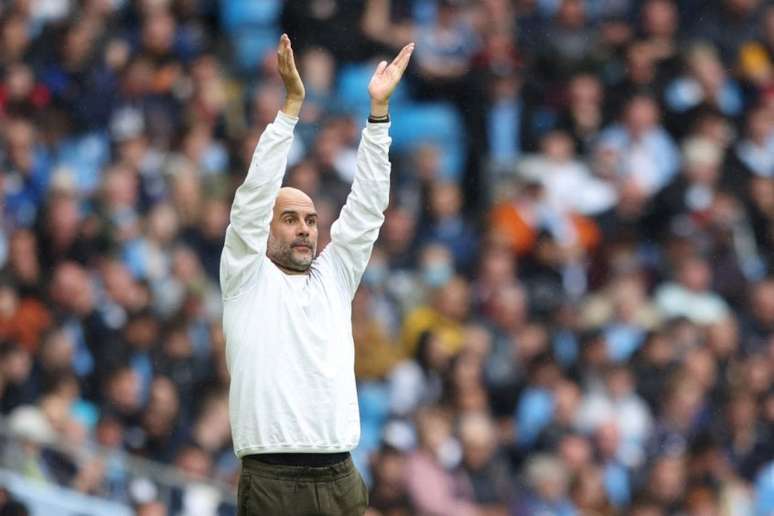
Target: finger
282,43
401,61
407,51
281,60
291,60
380,68
285,53
285,44
281,51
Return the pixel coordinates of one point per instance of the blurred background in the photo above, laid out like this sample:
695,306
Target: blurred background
570,308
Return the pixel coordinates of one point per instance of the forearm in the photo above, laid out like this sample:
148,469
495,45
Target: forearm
362,214
248,229
373,152
292,106
270,156
370,192
357,228
254,199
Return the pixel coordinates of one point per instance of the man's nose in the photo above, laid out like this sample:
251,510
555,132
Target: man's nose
303,229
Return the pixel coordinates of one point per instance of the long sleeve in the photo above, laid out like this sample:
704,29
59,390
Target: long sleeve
251,212
353,234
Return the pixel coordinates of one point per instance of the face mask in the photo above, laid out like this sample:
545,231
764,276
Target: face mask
449,453
375,275
215,159
436,274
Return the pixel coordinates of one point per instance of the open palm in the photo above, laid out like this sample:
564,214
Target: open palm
387,76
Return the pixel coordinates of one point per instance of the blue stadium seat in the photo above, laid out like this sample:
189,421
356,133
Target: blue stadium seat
253,28
236,14
438,123
250,45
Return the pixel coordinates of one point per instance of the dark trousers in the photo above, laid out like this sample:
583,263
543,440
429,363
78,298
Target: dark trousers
282,490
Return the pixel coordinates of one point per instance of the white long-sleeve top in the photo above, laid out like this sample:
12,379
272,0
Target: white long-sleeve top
289,345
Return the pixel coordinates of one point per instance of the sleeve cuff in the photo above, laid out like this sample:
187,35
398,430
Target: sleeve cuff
285,122
379,128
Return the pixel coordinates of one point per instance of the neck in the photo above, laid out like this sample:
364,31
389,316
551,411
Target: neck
289,271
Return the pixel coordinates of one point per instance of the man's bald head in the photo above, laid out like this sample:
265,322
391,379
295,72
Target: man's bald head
293,234
289,196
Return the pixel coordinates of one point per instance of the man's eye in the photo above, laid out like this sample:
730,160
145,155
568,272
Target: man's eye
312,222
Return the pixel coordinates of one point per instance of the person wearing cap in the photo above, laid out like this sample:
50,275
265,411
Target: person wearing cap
287,315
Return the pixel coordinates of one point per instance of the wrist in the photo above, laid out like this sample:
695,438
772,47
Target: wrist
292,106
378,119
379,109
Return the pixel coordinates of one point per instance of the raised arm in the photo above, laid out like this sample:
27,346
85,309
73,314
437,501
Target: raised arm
251,212
355,231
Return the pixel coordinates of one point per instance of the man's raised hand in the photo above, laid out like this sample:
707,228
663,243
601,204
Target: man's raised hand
294,88
386,78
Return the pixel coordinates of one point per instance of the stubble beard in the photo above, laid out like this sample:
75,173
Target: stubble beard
284,257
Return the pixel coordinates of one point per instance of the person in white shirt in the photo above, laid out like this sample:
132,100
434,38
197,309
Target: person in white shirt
287,315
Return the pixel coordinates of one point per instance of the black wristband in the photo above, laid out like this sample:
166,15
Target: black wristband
379,119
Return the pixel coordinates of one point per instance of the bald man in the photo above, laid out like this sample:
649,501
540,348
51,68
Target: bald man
287,315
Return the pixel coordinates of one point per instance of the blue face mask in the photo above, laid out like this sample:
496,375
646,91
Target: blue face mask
437,274
215,159
375,275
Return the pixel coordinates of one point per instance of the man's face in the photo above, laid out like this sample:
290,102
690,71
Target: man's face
293,234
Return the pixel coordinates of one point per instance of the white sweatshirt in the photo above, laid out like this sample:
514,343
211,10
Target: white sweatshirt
289,345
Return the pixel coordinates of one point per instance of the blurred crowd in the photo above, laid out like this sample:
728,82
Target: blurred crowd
570,308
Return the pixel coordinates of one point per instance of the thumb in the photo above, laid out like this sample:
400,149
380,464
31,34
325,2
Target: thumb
381,67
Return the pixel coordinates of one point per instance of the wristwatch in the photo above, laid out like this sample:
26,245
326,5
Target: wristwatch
379,119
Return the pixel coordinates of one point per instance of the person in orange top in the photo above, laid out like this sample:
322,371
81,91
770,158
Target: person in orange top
21,320
516,221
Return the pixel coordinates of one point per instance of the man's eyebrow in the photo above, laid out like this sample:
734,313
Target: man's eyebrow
294,212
